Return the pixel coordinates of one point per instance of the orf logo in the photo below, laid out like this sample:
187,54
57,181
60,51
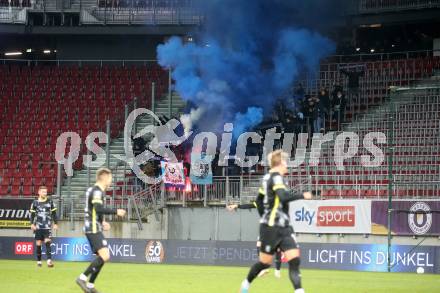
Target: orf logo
420,223
24,248
154,252
336,216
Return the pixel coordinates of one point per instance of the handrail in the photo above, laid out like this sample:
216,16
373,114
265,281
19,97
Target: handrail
426,53
376,6
80,62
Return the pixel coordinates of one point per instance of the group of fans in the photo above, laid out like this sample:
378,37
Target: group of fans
272,203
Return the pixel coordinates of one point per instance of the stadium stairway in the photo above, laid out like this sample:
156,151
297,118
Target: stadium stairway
73,194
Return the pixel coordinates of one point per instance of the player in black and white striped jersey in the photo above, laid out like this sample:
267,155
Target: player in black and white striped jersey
275,229
94,225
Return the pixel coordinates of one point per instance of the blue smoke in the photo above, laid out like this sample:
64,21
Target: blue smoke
249,53
252,116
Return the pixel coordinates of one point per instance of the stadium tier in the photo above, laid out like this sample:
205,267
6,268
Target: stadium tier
41,102
377,78
415,126
413,134
415,122
34,117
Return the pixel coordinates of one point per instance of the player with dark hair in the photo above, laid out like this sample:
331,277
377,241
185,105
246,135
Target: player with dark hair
259,206
43,215
94,224
275,230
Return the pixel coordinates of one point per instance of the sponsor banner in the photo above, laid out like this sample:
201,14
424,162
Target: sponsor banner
201,171
403,223
73,249
211,252
154,252
14,213
173,174
370,257
331,216
358,257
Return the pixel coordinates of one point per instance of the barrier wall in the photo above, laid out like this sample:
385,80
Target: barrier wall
316,217
410,217
358,257
14,213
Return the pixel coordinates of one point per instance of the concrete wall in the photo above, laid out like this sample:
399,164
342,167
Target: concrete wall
74,47
214,223
151,230
108,47
219,224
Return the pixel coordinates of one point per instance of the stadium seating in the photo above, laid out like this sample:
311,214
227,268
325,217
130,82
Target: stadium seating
416,155
41,102
416,164
379,76
416,160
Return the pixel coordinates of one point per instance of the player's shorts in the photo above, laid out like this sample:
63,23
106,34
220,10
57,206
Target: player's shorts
274,238
97,241
42,234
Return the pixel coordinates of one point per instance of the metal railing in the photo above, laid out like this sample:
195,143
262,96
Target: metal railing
145,16
377,6
104,12
79,62
381,56
142,202
13,15
132,194
381,70
331,61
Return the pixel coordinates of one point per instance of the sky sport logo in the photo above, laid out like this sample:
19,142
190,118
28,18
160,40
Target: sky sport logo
420,223
346,146
336,216
154,252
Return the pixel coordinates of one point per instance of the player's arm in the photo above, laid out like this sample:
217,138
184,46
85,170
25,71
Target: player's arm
32,214
284,194
101,210
234,206
247,206
259,202
32,217
53,211
287,196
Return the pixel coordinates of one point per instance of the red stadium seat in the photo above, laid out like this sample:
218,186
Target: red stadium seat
4,189
15,190
27,190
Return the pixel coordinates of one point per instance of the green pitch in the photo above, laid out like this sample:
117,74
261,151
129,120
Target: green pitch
24,276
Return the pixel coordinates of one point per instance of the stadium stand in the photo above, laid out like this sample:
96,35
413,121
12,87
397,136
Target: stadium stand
415,151
25,166
415,130
416,167
41,102
374,85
